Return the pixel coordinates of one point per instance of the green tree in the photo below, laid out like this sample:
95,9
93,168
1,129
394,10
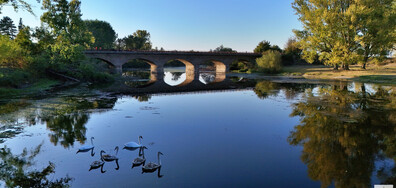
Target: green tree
23,39
264,46
270,62
221,48
291,53
7,27
20,24
17,4
104,34
376,25
71,36
11,54
139,40
340,32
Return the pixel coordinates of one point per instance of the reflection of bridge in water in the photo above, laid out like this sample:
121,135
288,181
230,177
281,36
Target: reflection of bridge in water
192,84
192,61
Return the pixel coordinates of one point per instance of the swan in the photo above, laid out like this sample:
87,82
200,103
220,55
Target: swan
108,157
86,148
139,160
133,145
97,164
151,167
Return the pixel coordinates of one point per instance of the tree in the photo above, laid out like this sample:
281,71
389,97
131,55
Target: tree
338,32
271,61
71,37
23,39
376,24
7,27
17,4
20,24
139,40
11,54
292,52
104,34
264,46
221,48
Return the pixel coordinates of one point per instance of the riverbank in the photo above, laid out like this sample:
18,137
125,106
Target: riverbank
384,74
39,87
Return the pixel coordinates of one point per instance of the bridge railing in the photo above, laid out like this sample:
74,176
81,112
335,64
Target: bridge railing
168,51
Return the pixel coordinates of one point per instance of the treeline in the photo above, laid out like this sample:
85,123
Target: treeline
28,54
273,59
336,33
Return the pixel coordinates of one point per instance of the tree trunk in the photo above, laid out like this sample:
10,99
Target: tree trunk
364,63
335,67
345,67
364,66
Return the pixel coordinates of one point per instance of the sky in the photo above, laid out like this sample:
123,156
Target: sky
189,24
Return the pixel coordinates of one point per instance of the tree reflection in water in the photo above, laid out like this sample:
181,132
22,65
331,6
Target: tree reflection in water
344,132
67,124
142,98
207,77
13,170
64,117
265,89
176,75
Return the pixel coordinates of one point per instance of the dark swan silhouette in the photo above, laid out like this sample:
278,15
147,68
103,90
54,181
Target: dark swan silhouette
139,160
108,157
97,164
151,167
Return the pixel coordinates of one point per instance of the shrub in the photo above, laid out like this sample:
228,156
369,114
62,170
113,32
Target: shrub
14,77
270,62
11,55
90,73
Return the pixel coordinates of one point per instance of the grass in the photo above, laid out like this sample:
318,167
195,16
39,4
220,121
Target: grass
39,86
373,73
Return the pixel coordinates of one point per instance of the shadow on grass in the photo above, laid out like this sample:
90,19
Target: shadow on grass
385,79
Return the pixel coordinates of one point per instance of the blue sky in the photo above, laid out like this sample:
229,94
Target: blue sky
187,24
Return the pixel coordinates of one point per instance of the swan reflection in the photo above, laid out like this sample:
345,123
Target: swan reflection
140,160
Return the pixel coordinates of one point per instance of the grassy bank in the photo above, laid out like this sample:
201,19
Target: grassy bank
37,87
376,74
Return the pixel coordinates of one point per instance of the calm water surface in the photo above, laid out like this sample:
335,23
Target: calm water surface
254,133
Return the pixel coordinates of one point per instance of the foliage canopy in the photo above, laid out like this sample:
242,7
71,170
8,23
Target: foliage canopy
344,32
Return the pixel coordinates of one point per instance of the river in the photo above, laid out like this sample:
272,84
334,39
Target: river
234,132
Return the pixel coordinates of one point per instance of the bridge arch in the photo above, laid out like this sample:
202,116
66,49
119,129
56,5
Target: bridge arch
212,71
153,66
241,65
106,61
188,73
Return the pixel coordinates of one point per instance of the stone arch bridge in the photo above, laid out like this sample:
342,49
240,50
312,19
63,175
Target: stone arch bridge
157,59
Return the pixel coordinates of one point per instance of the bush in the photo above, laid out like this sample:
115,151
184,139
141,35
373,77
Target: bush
270,62
14,78
90,73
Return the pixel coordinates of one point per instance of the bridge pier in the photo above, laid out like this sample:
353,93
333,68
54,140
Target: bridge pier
118,69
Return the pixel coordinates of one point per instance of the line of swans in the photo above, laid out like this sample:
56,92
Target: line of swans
139,161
